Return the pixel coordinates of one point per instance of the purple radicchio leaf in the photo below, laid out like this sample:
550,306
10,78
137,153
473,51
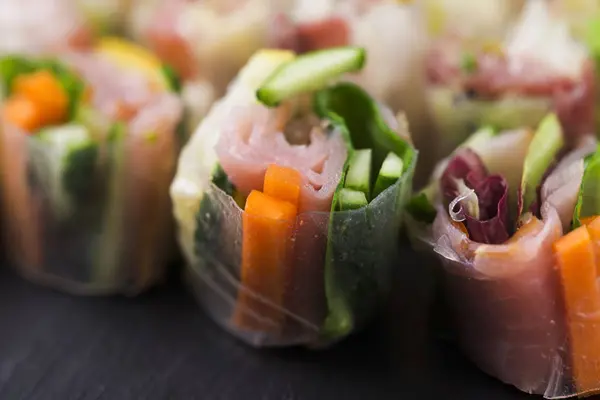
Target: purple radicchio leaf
467,166
493,224
467,171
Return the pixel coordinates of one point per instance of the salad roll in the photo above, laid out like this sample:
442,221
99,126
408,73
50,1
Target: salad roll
205,42
583,17
36,26
494,212
88,147
513,83
289,200
471,19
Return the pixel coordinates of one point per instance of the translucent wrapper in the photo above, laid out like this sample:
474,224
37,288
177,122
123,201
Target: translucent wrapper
507,301
511,83
115,240
93,216
47,26
339,271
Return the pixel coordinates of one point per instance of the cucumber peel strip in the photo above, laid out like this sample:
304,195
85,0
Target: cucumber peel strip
545,145
309,72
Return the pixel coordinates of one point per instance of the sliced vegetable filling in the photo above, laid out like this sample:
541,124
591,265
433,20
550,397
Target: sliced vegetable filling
267,250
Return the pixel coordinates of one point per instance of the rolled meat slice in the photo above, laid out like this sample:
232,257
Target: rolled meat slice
514,83
93,213
496,244
255,139
39,26
288,235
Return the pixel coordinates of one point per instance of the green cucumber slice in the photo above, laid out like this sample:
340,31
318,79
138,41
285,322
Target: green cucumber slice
309,72
352,199
71,156
391,170
358,176
546,143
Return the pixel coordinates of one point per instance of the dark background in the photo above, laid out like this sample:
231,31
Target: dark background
161,346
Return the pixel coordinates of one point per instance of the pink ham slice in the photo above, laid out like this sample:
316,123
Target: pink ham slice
495,76
254,139
505,298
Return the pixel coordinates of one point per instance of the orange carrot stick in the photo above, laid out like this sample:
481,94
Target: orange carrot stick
283,184
576,262
42,88
266,248
23,113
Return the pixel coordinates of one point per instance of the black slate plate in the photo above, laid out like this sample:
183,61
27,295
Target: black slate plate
161,346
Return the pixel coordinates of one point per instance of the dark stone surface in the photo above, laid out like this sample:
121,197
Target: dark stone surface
161,346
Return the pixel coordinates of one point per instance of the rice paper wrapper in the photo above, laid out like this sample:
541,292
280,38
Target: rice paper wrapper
113,239
339,272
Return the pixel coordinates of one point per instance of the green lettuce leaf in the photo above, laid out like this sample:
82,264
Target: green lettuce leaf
588,199
355,278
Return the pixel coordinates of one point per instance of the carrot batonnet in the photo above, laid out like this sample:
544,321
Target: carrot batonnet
576,256
23,113
45,90
37,100
267,250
